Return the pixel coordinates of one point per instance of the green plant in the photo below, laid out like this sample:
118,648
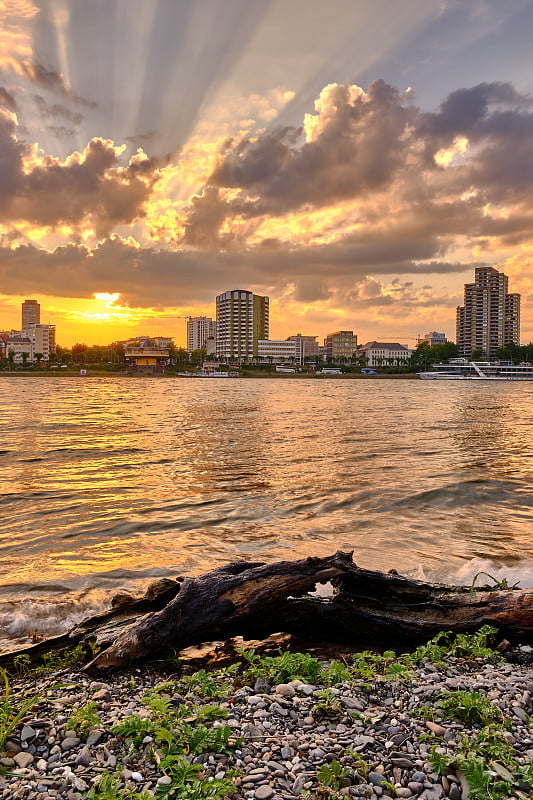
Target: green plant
188,783
471,708
210,684
398,672
282,668
489,764
109,787
22,664
84,718
498,584
329,702
69,659
336,672
334,775
361,765
11,712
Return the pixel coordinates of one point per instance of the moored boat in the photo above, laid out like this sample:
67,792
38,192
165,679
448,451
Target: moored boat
460,369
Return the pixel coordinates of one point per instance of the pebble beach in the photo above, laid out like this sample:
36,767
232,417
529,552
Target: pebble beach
362,738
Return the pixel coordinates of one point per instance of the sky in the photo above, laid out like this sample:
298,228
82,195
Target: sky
353,160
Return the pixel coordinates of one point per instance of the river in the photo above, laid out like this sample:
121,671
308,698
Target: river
109,482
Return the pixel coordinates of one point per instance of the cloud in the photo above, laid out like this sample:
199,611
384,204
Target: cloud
7,99
56,110
87,190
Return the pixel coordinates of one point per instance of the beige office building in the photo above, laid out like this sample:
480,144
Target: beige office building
490,316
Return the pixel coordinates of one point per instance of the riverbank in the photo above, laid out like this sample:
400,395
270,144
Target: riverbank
366,727
93,373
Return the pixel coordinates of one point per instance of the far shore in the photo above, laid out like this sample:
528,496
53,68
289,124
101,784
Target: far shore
95,373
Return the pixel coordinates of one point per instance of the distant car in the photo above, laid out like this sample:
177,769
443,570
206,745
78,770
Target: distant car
369,372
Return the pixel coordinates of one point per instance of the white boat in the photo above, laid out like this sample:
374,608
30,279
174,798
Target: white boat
460,369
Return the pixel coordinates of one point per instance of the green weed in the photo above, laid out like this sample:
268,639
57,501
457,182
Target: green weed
84,718
282,668
472,708
11,712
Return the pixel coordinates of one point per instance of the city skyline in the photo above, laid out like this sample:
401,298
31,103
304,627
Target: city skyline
353,165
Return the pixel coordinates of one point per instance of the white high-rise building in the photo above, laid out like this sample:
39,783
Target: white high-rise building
242,320
43,339
199,330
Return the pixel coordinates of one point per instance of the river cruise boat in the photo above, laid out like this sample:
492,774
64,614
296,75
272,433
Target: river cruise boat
460,369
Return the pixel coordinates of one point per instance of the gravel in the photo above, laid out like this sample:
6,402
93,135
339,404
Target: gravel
375,730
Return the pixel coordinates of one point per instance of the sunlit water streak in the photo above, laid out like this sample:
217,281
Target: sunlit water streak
109,482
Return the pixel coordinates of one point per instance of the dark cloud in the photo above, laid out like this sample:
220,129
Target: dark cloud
360,143
56,110
52,81
7,99
149,277
88,188
380,151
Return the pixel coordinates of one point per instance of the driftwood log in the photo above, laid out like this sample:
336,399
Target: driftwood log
367,609
254,600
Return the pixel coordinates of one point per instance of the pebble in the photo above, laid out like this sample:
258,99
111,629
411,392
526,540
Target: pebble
286,740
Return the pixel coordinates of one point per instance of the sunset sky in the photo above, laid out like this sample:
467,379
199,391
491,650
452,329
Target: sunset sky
353,159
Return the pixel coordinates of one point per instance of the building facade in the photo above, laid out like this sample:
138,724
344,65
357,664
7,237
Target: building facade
433,338
306,347
242,321
31,313
490,316
384,354
43,339
20,349
276,351
199,330
341,344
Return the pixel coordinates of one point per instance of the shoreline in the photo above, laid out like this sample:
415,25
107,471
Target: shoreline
261,375
365,729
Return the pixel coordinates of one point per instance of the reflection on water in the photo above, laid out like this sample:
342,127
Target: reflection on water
107,482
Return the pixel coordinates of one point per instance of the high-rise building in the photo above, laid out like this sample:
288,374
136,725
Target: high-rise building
433,337
31,313
242,320
490,316
199,330
341,344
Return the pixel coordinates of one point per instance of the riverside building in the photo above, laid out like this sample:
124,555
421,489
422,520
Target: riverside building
31,313
490,316
199,330
341,344
242,321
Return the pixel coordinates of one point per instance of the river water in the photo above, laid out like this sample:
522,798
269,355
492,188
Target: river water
106,483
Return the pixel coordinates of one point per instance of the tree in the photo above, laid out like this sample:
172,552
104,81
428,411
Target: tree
477,354
38,357
25,357
78,352
198,356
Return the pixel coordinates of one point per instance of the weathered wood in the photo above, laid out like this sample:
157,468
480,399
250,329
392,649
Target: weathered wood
368,609
254,600
219,604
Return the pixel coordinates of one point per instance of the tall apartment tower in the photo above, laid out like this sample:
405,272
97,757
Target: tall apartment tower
31,313
242,320
490,316
199,330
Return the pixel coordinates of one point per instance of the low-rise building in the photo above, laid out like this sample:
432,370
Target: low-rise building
276,350
146,356
20,347
433,338
378,354
341,344
306,347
